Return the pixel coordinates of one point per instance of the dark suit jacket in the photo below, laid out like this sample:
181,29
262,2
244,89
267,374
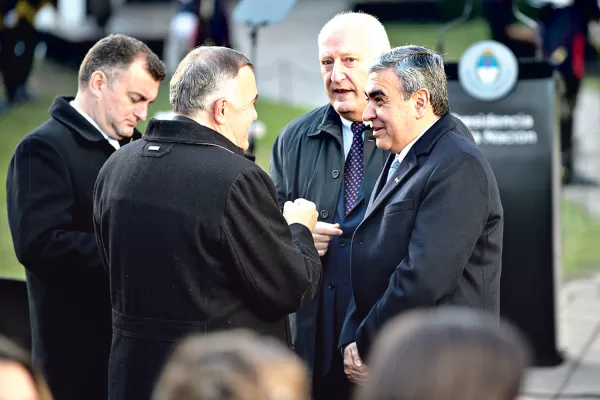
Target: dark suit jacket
432,235
49,190
194,241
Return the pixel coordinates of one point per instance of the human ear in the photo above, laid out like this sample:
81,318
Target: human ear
421,98
97,81
219,111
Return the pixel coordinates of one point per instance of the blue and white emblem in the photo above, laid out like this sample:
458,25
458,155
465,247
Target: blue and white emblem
488,70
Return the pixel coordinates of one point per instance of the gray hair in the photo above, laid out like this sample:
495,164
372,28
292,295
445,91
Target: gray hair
418,68
379,40
201,75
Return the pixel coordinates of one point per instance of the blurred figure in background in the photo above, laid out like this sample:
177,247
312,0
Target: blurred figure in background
234,365
18,39
505,28
448,353
563,35
198,22
19,378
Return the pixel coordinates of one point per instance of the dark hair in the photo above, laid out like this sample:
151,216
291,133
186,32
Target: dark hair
114,54
204,71
11,352
447,353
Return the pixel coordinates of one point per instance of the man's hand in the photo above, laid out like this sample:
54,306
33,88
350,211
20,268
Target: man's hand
322,235
354,368
301,211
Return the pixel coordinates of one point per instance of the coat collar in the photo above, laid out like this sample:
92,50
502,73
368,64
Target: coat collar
332,124
384,188
185,130
62,111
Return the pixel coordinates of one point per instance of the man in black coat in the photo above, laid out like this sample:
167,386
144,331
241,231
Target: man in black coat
50,211
191,231
432,232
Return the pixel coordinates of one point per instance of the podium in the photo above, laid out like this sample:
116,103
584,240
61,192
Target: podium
510,107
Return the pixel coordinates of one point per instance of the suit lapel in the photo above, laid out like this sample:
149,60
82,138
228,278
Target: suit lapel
381,180
385,189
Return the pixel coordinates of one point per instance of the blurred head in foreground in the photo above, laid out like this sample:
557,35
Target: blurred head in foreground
232,365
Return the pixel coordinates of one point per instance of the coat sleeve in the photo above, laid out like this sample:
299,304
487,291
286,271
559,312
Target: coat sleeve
278,264
40,201
278,169
451,218
351,324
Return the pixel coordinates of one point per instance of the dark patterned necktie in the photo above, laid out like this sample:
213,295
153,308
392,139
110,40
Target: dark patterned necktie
353,170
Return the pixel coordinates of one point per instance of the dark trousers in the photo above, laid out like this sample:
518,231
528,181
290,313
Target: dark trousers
334,385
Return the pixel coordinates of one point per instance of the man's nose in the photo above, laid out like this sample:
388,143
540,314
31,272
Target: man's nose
369,112
337,73
141,112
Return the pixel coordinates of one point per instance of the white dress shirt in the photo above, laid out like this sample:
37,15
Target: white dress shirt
113,142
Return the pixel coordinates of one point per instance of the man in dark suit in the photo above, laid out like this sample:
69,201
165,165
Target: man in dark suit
313,159
326,156
49,197
432,232
191,231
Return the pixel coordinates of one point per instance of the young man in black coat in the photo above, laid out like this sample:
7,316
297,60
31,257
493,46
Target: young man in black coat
191,231
49,197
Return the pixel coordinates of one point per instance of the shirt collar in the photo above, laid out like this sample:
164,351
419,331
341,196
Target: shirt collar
113,142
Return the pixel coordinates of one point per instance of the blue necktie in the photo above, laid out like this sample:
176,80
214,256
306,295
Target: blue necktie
353,170
393,168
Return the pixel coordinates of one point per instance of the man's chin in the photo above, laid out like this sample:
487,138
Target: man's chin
126,133
344,108
382,144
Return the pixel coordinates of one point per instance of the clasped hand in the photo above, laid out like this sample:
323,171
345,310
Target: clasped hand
354,368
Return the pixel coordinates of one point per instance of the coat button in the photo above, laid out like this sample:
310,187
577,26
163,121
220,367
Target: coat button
331,285
324,214
335,173
342,242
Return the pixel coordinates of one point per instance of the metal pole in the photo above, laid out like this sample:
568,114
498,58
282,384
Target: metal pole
532,25
464,17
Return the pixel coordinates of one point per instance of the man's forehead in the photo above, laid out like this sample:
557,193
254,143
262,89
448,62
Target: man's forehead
343,42
139,80
373,81
382,78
